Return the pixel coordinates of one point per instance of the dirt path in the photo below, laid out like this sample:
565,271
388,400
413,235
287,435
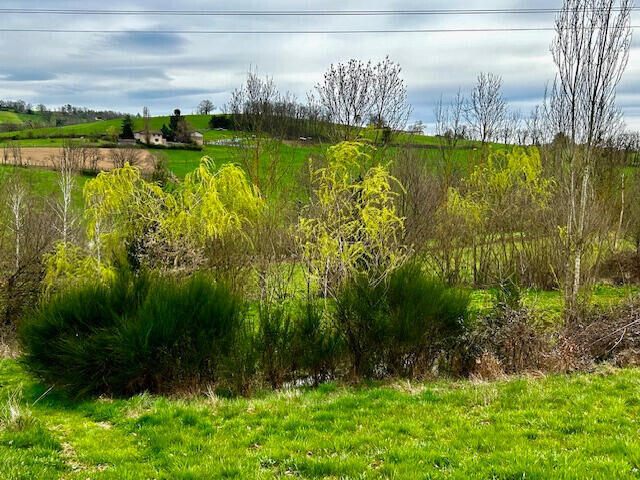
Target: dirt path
42,157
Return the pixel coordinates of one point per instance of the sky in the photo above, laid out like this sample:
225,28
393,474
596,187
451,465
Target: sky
126,71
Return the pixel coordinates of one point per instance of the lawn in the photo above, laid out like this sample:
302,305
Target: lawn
580,426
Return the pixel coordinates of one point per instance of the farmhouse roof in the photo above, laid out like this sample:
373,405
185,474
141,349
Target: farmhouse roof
151,132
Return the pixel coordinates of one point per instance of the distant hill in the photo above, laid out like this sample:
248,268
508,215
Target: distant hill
19,118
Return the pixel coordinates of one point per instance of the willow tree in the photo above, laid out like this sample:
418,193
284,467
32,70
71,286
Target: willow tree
351,226
171,230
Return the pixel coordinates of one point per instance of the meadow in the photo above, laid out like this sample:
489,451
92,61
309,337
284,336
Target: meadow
578,426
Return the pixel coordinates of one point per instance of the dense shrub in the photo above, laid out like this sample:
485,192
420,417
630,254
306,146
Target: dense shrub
137,333
296,344
400,326
221,121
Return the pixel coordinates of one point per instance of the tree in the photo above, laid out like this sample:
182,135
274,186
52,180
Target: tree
127,128
351,226
389,110
590,51
485,110
168,229
355,93
346,96
147,125
122,156
179,130
205,107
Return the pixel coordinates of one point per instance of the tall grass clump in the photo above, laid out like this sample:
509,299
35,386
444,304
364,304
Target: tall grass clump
139,332
401,326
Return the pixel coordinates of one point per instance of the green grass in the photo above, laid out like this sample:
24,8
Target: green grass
44,182
199,122
18,118
579,426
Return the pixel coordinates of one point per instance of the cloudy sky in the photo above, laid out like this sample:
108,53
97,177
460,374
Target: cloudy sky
126,71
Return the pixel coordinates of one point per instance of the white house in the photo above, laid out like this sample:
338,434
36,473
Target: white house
155,137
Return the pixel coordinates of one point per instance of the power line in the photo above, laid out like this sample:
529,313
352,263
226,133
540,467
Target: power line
53,11
288,32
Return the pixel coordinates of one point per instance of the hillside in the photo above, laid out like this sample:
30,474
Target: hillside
96,128
18,118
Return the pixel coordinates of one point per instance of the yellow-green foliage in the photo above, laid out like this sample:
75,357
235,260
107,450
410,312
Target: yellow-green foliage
210,204
507,183
351,226
69,264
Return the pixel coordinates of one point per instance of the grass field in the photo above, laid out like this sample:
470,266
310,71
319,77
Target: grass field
18,118
582,426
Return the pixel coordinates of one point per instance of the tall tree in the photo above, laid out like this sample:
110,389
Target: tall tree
127,127
590,50
205,107
486,107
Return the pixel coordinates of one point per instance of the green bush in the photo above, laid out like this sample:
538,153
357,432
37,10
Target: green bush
401,326
275,343
296,344
318,347
138,333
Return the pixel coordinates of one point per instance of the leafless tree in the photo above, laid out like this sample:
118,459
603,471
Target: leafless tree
146,115
512,127
67,165
121,156
389,109
356,92
25,235
590,50
486,107
205,107
346,95
533,126
450,131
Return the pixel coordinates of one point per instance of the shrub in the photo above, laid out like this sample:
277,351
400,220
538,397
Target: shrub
427,318
136,333
514,338
296,344
221,121
401,325
318,347
275,340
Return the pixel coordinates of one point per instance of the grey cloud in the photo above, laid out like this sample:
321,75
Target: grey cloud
149,42
34,75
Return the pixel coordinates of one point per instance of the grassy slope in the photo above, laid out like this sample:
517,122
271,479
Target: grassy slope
99,128
582,426
17,118
45,182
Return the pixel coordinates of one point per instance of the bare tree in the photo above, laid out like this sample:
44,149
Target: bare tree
486,107
450,130
512,127
205,107
590,50
25,235
121,156
67,165
147,125
355,93
16,196
389,110
533,126
346,93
